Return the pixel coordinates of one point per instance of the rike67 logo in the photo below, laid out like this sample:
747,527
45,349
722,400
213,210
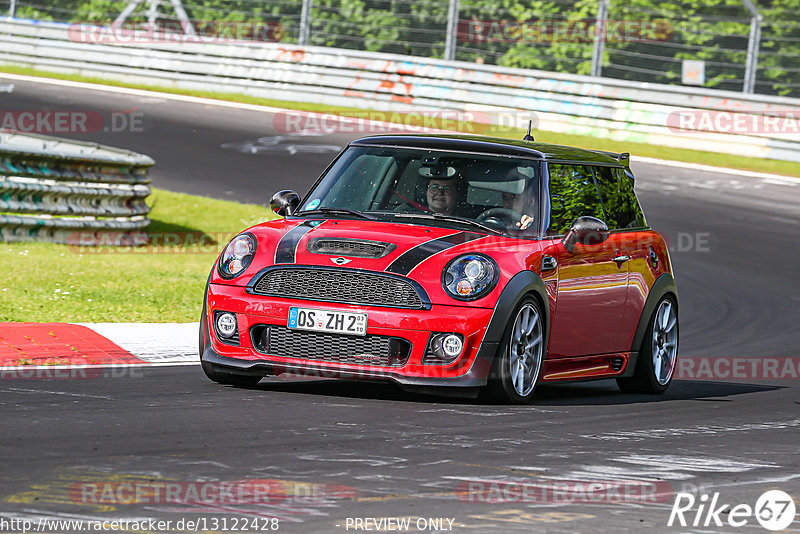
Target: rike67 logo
774,510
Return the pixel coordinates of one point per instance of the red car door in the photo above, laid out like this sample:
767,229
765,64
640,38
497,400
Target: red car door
638,243
592,279
590,302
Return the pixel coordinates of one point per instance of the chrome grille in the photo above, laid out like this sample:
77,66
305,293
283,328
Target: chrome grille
356,248
378,351
334,285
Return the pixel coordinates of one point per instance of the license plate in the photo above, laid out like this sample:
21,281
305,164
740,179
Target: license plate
328,321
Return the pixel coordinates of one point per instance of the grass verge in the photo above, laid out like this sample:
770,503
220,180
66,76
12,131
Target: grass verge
636,149
44,282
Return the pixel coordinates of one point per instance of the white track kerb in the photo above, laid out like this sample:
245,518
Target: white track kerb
155,343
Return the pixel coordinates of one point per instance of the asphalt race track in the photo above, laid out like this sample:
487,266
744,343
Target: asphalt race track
334,452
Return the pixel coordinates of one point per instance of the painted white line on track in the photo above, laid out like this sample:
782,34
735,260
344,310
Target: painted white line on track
781,181
208,101
24,390
778,178
143,92
21,369
269,109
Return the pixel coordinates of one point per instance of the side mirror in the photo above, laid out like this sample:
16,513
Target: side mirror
586,231
284,202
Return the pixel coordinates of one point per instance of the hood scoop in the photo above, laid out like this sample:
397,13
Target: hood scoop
354,248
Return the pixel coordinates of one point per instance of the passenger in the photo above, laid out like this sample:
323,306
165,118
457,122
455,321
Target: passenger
517,203
522,203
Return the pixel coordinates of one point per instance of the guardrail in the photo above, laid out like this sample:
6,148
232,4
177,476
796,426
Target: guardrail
71,192
601,107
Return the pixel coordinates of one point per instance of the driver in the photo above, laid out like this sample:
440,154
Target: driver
446,195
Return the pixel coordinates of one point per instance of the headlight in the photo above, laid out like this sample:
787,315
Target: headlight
237,255
470,277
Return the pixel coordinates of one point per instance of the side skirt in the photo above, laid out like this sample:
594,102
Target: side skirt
585,367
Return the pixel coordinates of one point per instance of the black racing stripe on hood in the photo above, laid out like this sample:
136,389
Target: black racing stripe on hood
287,247
407,261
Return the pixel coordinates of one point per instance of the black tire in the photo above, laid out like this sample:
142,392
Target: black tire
213,374
505,385
644,379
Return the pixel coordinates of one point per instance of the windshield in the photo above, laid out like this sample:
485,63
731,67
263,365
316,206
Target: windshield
498,194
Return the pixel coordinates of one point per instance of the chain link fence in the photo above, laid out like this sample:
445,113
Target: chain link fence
722,44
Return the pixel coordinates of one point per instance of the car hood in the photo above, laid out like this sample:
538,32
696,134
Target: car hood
417,251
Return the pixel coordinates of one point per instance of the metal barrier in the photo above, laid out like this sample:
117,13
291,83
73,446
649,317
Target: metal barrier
601,107
736,45
70,192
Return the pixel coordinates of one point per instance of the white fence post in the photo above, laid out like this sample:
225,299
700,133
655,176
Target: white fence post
305,23
452,31
753,44
599,38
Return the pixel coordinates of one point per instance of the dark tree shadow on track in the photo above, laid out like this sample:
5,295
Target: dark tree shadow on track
601,392
605,392
386,391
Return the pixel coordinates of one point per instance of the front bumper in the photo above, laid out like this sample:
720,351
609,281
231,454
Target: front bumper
469,370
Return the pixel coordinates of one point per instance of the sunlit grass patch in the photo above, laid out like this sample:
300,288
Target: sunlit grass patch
44,282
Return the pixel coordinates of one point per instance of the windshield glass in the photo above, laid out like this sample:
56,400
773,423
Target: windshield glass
432,187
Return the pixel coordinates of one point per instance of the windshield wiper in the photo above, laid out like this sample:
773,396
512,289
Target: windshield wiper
451,218
337,211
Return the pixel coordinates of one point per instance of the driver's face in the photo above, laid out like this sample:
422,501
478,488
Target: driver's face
442,196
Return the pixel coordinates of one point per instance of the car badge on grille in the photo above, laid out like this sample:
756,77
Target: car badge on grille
340,260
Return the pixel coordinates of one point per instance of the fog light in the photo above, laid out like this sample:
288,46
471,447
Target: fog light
443,348
452,345
226,324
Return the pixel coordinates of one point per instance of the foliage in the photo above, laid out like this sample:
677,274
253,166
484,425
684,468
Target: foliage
715,31
352,24
573,194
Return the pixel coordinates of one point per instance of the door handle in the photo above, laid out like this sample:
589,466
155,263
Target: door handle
621,259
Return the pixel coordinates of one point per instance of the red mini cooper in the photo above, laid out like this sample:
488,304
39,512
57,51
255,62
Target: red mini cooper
450,262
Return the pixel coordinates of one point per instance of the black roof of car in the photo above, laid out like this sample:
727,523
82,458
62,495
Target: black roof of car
496,146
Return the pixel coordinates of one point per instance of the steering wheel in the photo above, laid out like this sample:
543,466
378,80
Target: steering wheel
505,216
